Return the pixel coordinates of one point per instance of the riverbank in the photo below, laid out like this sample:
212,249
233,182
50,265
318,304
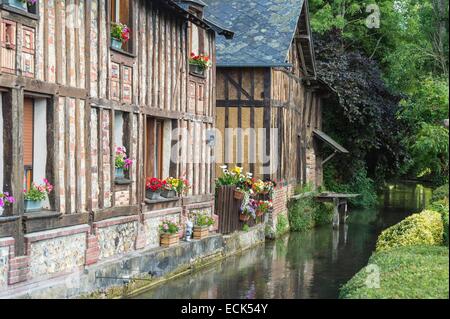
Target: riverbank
417,272
141,270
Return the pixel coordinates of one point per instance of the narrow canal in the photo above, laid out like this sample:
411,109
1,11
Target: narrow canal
300,265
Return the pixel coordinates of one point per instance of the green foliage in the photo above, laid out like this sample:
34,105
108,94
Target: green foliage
418,272
353,182
305,213
425,228
282,225
445,224
440,193
246,228
204,220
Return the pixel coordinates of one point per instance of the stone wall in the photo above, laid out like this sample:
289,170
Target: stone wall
5,248
152,220
57,251
116,236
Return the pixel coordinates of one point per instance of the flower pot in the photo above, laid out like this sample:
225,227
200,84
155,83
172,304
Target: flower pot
33,206
168,193
119,173
18,4
244,217
201,232
259,213
238,194
149,194
116,44
196,69
169,240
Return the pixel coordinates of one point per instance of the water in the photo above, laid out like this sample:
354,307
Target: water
300,265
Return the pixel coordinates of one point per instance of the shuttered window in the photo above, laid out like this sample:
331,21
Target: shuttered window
28,125
155,142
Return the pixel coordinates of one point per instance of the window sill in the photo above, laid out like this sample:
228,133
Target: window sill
163,200
7,219
122,52
198,76
41,215
29,15
122,181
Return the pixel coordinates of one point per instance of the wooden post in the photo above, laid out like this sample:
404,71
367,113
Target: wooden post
336,213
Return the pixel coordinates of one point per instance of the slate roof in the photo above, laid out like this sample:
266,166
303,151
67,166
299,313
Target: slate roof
264,30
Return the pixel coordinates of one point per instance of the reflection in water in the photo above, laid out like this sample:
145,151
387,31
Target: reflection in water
300,265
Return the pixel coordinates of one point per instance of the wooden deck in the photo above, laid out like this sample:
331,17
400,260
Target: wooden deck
340,201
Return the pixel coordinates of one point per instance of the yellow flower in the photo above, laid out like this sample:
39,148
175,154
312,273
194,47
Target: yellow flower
237,170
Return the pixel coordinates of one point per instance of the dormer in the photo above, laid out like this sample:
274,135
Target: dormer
193,6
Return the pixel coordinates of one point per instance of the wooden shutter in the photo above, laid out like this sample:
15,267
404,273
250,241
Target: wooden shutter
28,132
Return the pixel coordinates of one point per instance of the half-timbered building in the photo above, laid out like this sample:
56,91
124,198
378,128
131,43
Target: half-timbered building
269,106
68,99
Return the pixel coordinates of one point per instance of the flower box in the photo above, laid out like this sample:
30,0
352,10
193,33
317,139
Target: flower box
196,69
170,240
201,232
33,205
238,194
149,194
18,4
119,173
116,44
168,193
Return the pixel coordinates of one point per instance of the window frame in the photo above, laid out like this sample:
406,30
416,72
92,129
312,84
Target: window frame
131,50
30,15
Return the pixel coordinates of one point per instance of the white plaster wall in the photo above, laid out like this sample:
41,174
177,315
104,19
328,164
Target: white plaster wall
40,142
167,148
118,128
1,148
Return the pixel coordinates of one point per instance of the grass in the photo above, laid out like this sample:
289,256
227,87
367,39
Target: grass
415,272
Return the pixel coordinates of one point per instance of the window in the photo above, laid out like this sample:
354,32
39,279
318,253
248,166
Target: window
34,140
196,40
121,12
158,141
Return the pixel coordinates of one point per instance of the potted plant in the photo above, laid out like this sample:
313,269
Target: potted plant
248,209
235,177
154,186
36,195
6,199
263,207
202,224
120,34
170,187
21,4
169,231
122,162
199,63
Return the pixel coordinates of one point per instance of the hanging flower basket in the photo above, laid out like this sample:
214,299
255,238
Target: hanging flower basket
244,217
260,213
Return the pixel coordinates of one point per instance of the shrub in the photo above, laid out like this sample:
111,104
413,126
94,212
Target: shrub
282,225
445,225
417,272
323,214
440,193
419,229
301,214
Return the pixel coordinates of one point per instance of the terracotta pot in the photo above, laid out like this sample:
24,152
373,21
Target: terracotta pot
238,194
259,213
201,232
244,217
169,240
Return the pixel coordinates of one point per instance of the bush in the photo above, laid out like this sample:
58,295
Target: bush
425,228
445,224
282,225
416,272
301,214
323,214
440,193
